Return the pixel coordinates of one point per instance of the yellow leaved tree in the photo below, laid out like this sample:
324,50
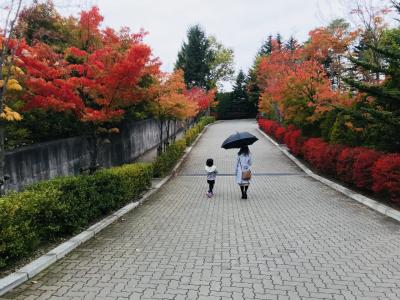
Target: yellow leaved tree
170,104
9,85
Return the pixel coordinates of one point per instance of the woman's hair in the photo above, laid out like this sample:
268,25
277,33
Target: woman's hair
244,150
209,162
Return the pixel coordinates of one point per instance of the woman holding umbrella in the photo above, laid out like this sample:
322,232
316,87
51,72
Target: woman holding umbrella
243,163
243,172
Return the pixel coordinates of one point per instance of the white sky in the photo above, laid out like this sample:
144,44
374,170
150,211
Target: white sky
239,24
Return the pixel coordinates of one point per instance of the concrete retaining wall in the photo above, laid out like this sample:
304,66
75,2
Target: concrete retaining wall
42,161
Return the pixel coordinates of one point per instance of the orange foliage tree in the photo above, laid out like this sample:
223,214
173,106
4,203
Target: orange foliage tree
170,103
295,85
96,82
204,99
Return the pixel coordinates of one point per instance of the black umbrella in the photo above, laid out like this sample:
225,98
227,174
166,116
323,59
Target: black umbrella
239,140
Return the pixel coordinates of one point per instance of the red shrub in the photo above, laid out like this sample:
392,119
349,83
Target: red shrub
313,151
330,158
345,161
280,134
362,168
294,141
269,127
386,176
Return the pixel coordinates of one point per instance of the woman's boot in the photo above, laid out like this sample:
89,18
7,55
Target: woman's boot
245,192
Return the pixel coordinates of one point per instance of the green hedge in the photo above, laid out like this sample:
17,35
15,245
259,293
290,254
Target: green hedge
193,132
166,161
63,206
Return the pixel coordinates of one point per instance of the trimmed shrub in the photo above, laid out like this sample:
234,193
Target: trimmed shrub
280,134
268,126
62,206
386,176
294,141
165,162
206,120
313,151
19,217
330,158
345,162
362,168
192,134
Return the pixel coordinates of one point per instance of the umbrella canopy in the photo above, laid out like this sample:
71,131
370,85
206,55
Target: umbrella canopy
239,140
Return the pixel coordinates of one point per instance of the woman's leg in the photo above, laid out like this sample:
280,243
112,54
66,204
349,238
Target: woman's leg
245,191
242,189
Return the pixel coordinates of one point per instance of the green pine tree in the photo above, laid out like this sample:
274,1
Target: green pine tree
383,115
241,105
291,44
195,58
266,47
279,41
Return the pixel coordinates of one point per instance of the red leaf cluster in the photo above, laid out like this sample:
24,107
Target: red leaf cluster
386,176
268,126
97,81
280,134
362,167
346,159
330,158
313,152
287,74
200,96
294,141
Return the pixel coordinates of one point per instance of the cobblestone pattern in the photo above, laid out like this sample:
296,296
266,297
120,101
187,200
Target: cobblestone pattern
293,239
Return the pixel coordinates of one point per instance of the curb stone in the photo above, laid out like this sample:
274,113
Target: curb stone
374,205
26,273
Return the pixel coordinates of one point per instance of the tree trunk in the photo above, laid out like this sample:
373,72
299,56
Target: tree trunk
166,143
2,145
175,130
93,142
2,160
160,146
187,123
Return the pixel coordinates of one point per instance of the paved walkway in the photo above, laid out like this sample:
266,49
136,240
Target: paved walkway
294,238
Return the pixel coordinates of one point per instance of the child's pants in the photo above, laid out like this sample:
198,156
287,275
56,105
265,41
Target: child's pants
210,185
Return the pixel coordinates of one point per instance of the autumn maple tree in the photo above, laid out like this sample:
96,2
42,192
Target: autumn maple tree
97,81
171,103
295,82
204,99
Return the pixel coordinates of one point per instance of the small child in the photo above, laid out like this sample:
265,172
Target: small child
211,170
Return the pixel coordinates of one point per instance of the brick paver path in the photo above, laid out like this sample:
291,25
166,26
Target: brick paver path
294,238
